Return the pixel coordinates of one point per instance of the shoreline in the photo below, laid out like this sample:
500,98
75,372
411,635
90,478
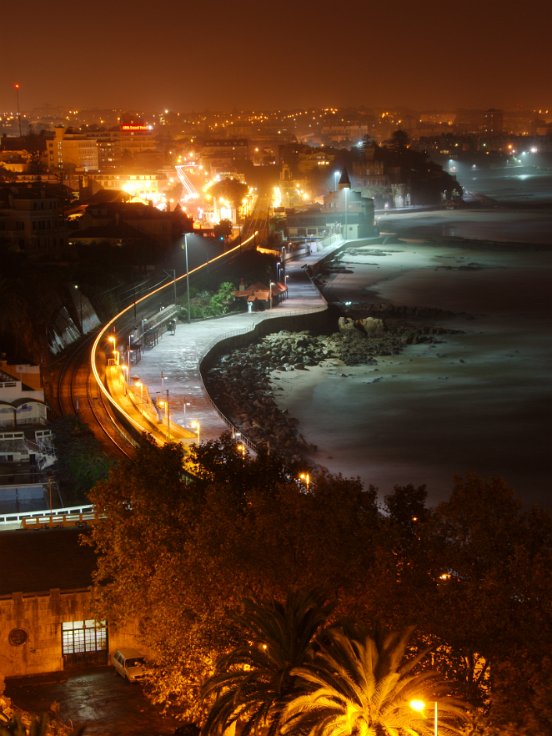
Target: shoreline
474,403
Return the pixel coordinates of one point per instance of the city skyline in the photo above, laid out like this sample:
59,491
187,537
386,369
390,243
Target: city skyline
217,56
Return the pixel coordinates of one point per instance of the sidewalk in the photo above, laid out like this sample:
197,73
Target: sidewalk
171,368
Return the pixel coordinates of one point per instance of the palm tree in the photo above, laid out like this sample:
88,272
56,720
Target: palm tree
253,683
363,687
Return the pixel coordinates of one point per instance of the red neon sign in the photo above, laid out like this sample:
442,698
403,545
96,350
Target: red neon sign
132,126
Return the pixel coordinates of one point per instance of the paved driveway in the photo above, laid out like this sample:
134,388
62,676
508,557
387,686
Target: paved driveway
98,698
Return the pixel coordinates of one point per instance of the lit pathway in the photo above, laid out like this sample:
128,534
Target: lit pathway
173,364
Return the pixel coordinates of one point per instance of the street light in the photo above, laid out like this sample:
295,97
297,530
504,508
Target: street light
346,192
138,384
195,425
305,477
129,350
17,87
187,276
419,707
113,340
337,174
165,405
270,285
80,305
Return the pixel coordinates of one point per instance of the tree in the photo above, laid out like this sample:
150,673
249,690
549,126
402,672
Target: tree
492,606
253,682
223,299
357,684
224,229
176,555
400,140
230,189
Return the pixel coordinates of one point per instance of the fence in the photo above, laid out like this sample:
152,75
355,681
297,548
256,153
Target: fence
68,516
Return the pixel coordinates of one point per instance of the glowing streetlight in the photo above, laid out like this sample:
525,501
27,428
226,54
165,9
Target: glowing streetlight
270,285
346,193
17,87
140,385
306,478
187,276
80,304
419,706
195,425
113,340
337,174
165,405
240,447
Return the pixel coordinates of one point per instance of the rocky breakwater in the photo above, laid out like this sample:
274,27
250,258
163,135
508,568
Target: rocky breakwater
242,382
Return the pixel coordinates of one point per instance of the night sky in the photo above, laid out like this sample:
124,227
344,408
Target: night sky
243,54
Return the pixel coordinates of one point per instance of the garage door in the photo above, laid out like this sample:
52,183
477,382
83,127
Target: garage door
84,642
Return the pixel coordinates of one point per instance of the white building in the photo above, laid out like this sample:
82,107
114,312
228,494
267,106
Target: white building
26,442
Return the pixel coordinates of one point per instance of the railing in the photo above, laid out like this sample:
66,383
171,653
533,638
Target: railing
68,516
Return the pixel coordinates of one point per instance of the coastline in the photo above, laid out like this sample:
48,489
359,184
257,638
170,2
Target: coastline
476,402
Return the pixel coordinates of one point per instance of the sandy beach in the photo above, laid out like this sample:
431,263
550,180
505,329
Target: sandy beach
479,401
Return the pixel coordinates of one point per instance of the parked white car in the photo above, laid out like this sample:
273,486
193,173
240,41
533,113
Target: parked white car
130,664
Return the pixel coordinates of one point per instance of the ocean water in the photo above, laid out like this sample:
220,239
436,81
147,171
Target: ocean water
479,401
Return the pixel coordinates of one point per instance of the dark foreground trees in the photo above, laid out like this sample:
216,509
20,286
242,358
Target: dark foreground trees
294,673
254,682
177,556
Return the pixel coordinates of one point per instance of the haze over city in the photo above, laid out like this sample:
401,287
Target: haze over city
275,397
249,55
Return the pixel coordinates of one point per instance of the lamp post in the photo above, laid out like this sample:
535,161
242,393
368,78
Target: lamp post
113,340
80,308
195,425
346,192
270,285
337,174
187,276
140,385
419,707
165,405
129,351
17,87
305,477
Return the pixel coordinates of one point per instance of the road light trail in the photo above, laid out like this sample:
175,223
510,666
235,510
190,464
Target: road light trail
138,425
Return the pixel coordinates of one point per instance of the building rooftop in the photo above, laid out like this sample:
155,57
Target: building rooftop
35,561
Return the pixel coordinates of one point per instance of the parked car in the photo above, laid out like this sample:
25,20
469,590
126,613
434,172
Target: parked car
130,664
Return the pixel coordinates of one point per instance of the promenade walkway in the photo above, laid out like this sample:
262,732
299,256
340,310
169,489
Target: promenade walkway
172,365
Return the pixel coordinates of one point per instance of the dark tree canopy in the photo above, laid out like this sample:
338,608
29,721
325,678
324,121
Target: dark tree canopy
178,555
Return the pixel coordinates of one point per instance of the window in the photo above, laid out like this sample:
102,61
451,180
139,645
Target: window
84,640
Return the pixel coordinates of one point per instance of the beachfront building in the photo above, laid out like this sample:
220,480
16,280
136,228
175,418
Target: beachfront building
346,212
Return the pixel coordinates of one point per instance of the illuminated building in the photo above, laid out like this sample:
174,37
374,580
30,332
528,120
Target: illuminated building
145,188
71,150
